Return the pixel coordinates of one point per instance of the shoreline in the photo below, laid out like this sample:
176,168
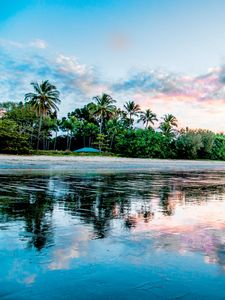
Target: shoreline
99,163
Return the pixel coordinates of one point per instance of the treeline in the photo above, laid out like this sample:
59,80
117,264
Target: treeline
34,125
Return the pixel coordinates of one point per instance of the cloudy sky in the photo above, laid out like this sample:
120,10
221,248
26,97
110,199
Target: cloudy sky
167,55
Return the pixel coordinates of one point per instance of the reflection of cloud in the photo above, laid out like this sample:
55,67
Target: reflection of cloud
62,258
74,249
22,273
30,279
194,228
187,217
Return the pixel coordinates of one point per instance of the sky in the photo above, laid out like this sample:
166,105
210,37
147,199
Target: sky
167,55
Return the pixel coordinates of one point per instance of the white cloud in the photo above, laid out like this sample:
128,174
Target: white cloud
41,44
8,43
77,82
38,44
192,99
70,64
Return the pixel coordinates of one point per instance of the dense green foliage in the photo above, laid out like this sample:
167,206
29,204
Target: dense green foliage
33,125
12,138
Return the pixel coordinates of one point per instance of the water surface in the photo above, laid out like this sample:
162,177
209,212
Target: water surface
112,235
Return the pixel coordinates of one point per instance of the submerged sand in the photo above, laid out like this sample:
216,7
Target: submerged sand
98,163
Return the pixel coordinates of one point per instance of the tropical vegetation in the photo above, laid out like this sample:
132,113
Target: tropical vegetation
33,126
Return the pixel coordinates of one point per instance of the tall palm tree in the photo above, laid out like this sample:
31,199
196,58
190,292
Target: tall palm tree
147,117
168,124
44,100
132,109
170,119
104,108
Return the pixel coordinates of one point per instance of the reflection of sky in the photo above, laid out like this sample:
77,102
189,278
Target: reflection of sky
196,228
165,224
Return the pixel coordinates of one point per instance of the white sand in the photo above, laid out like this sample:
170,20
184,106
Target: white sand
85,163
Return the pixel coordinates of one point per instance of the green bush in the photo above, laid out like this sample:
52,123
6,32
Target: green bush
145,143
12,139
218,149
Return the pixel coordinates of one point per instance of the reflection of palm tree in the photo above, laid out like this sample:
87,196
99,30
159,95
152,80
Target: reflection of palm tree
97,203
96,200
37,223
32,208
146,213
94,209
130,222
164,201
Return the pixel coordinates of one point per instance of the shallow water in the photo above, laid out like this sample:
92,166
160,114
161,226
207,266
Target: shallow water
112,235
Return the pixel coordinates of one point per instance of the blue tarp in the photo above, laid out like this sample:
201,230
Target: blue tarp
87,150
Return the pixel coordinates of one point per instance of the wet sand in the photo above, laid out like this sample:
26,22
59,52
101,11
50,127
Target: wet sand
98,163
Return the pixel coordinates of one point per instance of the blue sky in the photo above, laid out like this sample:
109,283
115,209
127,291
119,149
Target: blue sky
183,36
133,49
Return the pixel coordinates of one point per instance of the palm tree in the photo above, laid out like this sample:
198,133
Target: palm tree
147,117
132,109
71,126
44,100
170,119
114,127
168,124
104,108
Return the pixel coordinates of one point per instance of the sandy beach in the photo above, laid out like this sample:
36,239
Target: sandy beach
97,163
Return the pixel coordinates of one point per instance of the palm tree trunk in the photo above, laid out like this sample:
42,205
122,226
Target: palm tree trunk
112,139
130,119
55,140
101,124
31,136
70,142
39,131
67,141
